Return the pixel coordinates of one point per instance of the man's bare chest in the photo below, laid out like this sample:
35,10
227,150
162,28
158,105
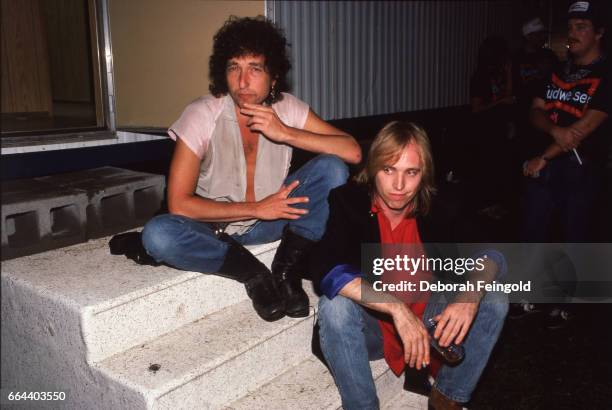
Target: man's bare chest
249,143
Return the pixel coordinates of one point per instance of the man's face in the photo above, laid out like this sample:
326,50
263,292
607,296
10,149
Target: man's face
581,37
248,81
398,183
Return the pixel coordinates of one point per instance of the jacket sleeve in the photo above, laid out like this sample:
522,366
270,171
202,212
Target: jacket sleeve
334,260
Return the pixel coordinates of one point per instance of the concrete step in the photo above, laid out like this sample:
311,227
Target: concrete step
406,400
119,304
209,362
309,386
117,335
67,309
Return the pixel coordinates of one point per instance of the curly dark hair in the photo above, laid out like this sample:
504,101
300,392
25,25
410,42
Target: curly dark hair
242,36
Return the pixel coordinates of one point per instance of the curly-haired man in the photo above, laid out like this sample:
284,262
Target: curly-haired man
228,184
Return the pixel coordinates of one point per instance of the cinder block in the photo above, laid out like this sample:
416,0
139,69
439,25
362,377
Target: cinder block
119,199
37,216
50,212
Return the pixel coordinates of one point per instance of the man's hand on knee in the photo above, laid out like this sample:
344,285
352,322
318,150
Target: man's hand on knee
454,322
279,205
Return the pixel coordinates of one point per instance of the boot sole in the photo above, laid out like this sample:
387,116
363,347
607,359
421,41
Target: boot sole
274,317
298,313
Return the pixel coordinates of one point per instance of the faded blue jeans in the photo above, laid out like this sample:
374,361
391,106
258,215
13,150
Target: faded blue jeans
188,244
350,337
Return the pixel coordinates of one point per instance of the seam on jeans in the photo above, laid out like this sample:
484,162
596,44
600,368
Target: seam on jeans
363,325
321,343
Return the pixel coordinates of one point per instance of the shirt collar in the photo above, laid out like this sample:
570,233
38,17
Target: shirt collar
229,108
375,209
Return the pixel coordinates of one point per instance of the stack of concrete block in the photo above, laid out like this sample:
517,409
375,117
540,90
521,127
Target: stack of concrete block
55,211
38,216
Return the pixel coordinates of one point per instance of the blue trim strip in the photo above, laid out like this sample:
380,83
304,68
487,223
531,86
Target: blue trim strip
337,278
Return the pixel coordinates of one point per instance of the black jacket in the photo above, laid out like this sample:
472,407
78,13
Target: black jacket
352,223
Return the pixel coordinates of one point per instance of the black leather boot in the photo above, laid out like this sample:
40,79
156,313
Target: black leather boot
243,266
289,262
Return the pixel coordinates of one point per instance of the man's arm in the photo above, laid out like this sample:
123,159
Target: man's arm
317,136
184,172
536,164
453,323
570,136
589,122
410,328
566,137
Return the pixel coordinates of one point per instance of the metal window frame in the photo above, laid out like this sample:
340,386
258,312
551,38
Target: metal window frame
269,8
107,84
106,63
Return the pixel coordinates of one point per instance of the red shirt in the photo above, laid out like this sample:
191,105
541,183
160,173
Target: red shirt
406,232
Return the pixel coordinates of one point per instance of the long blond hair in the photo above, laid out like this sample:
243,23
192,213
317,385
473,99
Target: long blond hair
387,148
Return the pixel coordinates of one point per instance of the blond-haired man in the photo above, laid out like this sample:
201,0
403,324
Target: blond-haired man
392,202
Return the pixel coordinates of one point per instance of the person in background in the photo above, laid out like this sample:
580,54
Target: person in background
533,62
531,65
492,101
565,176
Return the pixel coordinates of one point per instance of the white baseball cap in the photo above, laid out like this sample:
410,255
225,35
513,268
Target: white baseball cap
533,26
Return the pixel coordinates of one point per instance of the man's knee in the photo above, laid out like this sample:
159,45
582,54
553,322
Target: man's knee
332,168
495,306
159,235
338,313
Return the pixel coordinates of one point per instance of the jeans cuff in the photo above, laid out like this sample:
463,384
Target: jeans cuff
455,397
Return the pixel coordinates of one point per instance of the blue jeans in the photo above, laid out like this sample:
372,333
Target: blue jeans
351,337
564,188
191,245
